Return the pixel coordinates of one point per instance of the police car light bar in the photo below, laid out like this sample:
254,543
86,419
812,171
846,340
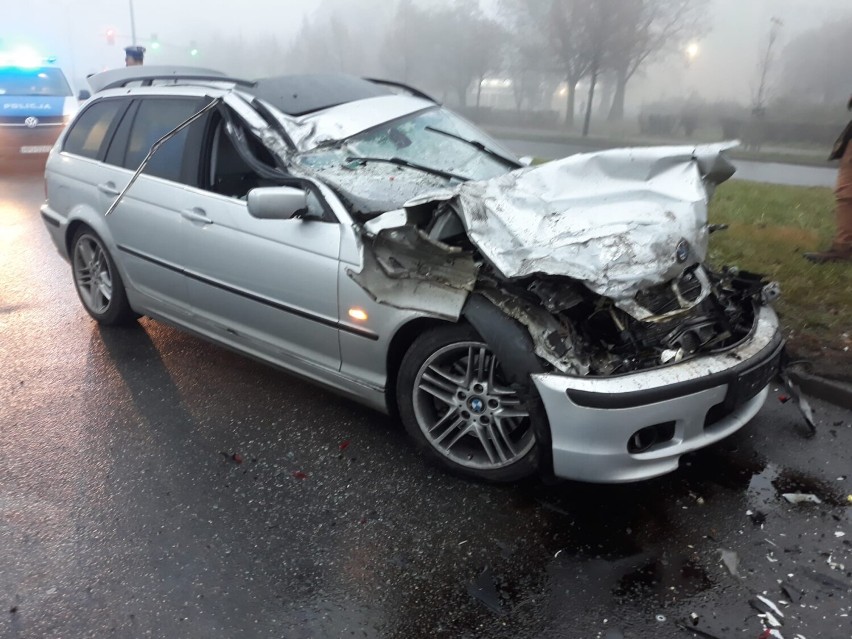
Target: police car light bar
24,58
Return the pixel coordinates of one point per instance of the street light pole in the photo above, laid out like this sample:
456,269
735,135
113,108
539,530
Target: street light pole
132,25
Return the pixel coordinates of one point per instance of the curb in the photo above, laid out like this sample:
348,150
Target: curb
828,390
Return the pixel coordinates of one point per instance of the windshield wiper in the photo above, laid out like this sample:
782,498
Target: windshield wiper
476,145
411,165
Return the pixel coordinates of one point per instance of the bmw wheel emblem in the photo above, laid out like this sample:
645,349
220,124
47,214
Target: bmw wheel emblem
476,405
682,251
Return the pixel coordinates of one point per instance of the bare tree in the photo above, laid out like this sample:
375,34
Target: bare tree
528,58
598,19
574,47
647,30
765,67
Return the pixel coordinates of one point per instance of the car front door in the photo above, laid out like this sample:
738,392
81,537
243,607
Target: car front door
269,286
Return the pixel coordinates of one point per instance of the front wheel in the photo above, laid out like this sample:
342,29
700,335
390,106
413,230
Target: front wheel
455,402
97,281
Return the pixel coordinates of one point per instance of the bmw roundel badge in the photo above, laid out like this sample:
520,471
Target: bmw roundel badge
682,251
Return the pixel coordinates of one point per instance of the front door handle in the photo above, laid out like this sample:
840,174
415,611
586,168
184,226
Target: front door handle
108,188
196,215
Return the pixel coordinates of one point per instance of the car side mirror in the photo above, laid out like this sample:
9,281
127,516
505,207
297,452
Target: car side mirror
276,202
83,95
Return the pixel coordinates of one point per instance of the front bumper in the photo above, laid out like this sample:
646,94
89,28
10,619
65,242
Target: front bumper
694,404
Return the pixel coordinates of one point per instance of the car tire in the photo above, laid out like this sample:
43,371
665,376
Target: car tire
455,403
97,281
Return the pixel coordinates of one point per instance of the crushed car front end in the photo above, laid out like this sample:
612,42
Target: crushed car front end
590,281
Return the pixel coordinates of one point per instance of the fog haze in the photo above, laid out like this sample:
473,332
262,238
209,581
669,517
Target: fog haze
260,37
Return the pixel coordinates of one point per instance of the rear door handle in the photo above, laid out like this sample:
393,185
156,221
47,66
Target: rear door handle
196,215
108,188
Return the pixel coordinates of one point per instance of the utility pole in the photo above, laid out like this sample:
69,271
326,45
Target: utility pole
132,25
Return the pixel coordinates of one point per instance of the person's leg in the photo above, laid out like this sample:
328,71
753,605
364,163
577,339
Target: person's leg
843,193
841,247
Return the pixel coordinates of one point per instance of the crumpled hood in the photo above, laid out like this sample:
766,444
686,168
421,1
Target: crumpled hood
612,220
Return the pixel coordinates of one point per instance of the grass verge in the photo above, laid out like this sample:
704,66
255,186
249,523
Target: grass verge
770,227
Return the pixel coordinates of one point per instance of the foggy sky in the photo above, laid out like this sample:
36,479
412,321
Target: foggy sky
75,32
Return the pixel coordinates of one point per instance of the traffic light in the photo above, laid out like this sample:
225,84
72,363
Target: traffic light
110,36
193,50
155,42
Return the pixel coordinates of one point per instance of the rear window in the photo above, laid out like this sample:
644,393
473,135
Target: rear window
41,81
88,133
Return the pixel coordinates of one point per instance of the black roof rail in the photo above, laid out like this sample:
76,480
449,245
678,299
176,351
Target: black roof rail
146,76
400,85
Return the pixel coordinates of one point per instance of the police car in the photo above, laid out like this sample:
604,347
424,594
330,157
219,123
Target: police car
36,102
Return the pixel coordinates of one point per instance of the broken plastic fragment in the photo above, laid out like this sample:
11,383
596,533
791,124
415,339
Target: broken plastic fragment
344,444
771,605
298,474
802,498
237,458
771,633
792,593
770,619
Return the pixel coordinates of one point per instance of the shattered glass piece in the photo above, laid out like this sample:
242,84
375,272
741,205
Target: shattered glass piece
731,561
801,498
484,590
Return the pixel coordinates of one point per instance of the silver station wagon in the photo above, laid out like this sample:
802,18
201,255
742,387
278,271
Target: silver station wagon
557,319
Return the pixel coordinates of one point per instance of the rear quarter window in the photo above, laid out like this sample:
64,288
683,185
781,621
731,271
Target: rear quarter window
88,134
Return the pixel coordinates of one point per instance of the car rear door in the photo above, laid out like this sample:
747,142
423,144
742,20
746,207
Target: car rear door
147,225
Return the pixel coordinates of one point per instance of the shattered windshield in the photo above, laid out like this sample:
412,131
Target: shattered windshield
433,140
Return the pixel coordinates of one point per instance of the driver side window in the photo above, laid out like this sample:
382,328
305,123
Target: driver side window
230,175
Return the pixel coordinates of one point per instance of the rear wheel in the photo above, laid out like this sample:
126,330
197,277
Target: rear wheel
97,281
455,402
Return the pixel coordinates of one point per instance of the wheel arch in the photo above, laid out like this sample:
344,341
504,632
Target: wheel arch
513,345
399,345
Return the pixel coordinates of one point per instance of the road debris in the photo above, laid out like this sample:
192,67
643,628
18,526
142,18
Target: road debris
344,444
484,590
697,632
298,474
731,561
661,618
791,592
801,401
834,565
801,498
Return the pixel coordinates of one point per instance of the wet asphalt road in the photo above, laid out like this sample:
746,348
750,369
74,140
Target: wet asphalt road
124,511
770,172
